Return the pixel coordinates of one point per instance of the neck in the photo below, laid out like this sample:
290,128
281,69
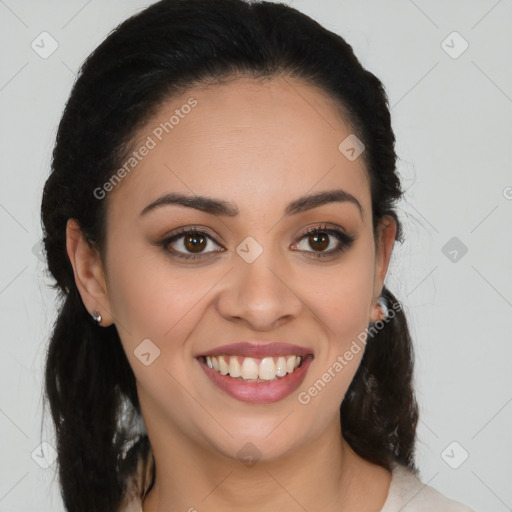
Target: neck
324,474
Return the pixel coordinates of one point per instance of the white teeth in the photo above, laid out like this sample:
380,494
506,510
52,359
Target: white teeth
224,368
251,369
281,367
267,369
234,367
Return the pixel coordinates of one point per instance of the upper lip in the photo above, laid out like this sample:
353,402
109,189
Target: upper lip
258,350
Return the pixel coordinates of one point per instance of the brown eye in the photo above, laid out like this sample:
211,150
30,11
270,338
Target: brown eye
195,242
318,241
324,242
190,244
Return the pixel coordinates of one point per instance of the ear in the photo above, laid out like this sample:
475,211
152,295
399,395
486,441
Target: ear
88,270
385,240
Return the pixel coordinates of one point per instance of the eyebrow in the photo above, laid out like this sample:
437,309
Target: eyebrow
229,209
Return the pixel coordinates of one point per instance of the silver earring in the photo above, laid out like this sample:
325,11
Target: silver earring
381,301
96,317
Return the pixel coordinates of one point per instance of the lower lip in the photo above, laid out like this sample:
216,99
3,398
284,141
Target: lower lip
259,392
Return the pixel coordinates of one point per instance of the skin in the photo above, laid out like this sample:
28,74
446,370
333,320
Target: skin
258,144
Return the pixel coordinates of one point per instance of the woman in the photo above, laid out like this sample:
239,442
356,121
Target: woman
220,220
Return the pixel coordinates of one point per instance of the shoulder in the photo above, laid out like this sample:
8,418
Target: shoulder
407,493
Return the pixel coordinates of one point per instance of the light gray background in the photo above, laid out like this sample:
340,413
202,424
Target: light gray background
452,120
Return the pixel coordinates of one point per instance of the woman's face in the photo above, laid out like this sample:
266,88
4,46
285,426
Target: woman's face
252,274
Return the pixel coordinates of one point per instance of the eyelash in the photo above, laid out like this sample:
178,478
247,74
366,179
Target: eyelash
345,240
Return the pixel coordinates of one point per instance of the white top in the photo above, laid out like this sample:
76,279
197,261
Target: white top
407,493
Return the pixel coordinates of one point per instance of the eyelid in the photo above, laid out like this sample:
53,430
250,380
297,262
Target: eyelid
195,228
325,227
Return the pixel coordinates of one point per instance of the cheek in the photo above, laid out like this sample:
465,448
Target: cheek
343,307
156,312
150,301
344,300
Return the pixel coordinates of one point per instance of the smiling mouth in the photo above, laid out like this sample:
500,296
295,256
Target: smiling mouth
250,369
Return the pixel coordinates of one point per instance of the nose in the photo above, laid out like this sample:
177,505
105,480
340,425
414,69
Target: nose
260,294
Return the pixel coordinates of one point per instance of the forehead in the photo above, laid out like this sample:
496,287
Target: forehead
258,143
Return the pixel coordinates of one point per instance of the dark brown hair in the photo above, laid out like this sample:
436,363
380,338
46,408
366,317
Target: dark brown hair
164,49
